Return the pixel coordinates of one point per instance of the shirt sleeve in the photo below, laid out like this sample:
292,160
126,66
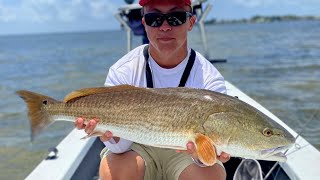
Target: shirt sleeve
212,78
123,145
115,78
216,84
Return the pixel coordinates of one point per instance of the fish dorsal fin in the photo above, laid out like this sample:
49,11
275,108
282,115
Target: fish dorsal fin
96,90
205,149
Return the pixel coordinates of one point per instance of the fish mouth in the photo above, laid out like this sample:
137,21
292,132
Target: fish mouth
277,153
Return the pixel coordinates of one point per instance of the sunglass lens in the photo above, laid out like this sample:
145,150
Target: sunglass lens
154,19
176,18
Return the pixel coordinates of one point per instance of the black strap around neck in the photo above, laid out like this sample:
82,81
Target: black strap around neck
185,74
148,70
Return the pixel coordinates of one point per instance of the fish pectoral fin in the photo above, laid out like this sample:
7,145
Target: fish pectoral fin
93,134
205,149
96,90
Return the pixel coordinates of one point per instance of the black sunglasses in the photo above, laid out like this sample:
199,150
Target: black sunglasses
173,18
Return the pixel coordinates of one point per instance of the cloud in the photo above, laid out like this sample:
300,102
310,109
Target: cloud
6,14
250,3
40,11
102,8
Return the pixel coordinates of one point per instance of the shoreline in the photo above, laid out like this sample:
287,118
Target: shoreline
264,19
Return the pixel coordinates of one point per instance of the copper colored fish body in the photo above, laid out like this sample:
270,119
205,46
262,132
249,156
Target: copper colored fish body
168,118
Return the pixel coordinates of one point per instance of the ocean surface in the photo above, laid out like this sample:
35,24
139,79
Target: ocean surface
277,64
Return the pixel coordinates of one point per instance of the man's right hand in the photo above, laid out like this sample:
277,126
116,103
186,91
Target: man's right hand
91,125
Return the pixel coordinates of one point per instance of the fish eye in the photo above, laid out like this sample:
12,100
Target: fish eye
267,132
45,102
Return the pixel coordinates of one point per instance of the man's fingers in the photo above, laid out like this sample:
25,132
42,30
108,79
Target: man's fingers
79,123
106,136
90,126
190,147
224,157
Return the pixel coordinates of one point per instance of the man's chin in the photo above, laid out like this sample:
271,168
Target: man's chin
169,47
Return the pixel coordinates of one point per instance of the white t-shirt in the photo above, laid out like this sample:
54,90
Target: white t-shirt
130,69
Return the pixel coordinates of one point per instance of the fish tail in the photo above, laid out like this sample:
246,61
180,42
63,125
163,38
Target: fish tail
38,116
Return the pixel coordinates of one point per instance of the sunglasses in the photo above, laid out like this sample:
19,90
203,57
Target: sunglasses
173,18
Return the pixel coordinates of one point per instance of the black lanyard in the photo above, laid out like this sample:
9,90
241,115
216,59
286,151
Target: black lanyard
185,74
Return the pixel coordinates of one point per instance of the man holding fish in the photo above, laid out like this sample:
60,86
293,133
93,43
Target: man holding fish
166,62
164,120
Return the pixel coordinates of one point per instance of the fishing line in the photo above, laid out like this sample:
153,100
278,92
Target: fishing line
285,153
311,119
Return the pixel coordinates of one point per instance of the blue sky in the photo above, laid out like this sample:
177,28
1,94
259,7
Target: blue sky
33,16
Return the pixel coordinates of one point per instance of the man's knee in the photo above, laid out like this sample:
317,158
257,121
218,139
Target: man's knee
128,165
195,172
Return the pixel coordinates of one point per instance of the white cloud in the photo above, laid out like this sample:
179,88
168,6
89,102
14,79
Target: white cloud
101,8
6,14
55,10
250,3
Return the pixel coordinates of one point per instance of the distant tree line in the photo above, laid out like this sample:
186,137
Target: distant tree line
263,19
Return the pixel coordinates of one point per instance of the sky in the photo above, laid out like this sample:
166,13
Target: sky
41,16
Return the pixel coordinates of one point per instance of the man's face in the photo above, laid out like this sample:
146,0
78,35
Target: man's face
167,38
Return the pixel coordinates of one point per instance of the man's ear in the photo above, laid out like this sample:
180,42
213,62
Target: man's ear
143,22
192,20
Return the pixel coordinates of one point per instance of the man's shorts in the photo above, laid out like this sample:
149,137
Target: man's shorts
161,163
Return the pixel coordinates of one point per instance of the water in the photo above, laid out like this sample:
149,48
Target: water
277,64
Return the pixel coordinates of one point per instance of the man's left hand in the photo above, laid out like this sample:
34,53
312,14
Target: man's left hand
191,149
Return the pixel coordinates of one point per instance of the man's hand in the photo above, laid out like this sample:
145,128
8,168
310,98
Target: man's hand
79,124
191,149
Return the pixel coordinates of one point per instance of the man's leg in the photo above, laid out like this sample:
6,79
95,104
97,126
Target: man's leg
129,165
215,172
180,166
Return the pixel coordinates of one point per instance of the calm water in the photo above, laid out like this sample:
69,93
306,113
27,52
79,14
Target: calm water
278,64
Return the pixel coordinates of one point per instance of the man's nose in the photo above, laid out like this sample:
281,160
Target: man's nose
165,26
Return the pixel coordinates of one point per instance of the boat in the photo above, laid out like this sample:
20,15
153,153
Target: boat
73,158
